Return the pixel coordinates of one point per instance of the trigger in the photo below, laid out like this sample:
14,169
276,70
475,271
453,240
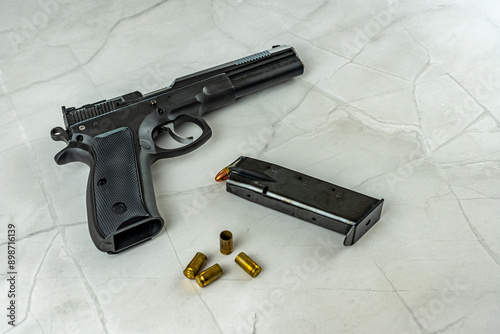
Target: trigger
178,138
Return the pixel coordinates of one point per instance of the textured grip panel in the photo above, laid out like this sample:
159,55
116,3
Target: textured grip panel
116,182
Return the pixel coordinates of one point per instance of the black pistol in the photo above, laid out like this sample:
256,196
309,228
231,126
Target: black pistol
116,139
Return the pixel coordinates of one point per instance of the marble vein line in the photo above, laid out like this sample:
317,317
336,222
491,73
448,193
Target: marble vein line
274,124
289,30
44,81
389,172
91,58
385,127
266,149
32,288
478,119
297,105
385,93
423,69
213,11
45,230
12,148
405,304
130,17
37,322
454,164
87,286
473,97
86,73
480,157
317,10
415,128
380,32
379,70
474,230
207,189
477,63
450,325
417,41
38,168
254,322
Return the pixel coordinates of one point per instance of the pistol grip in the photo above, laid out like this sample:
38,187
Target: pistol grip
120,212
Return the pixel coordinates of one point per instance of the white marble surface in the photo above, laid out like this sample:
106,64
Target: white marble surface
399,100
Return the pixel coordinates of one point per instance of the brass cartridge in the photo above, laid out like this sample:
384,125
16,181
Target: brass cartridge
248,265
208,276
226,242
195,265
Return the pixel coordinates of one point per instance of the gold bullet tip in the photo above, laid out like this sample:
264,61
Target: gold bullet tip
222,175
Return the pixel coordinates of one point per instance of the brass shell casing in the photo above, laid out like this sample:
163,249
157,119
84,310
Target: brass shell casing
226,242
248,265
208,276
195,265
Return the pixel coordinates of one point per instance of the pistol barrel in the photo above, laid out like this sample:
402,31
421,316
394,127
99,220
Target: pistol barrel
251,73
267,71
